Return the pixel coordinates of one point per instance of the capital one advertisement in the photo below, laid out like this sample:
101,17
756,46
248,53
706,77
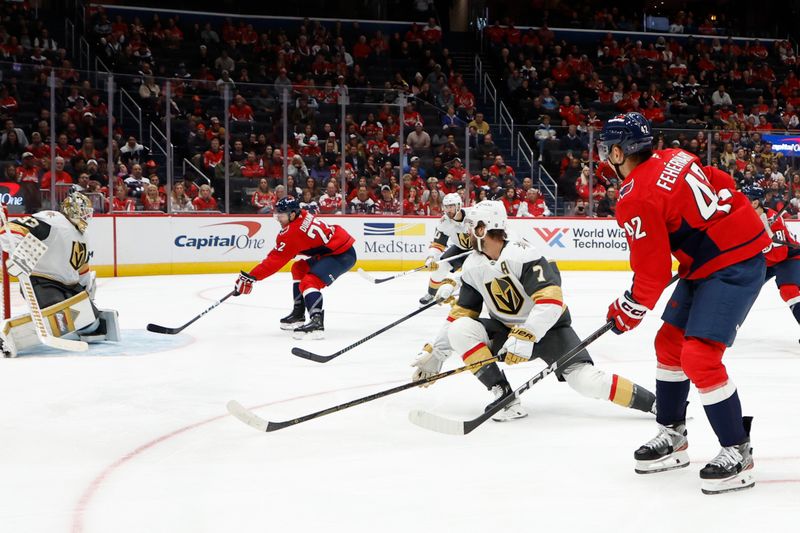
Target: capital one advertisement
788,145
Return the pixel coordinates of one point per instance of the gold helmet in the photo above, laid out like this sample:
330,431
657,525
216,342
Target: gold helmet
78,209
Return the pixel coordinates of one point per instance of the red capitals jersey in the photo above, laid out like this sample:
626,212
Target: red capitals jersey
671,205
305,235
776,252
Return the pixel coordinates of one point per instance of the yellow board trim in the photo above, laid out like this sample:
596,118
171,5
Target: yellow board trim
388,265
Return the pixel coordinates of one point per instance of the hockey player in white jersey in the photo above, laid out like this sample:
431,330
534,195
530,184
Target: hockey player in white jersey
63,285
521,291
449,240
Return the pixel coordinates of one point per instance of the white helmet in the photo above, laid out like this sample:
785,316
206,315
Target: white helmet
489,213
451,199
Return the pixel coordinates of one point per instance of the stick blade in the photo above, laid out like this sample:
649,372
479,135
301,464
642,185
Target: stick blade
238,411
155,328
305,354
437,423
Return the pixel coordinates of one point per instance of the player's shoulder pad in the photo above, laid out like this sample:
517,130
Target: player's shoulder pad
38,225
520,252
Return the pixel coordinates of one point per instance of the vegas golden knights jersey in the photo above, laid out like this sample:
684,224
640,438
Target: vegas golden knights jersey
510,286
450,233
67,254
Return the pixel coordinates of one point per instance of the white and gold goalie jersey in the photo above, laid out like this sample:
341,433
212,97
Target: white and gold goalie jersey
67,257
450,233
521,287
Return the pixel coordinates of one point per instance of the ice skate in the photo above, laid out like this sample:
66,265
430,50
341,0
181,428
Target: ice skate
731,469
665,451
512,411
313,330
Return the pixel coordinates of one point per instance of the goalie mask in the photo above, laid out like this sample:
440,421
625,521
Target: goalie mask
78,210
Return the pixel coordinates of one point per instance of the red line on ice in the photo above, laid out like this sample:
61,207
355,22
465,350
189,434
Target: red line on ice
79,511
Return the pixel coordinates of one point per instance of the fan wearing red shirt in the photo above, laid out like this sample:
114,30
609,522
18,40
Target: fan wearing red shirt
204,200
61,175
213,156
252,168
671,206
240,111
330,254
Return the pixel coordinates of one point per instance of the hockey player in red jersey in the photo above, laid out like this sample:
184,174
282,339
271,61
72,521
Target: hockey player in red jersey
782,255
670,205
330,254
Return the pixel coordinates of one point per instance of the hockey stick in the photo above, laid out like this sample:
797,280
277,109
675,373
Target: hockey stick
785,243
155,328
45,337
458,427
255,421
462,427
305,354
372,279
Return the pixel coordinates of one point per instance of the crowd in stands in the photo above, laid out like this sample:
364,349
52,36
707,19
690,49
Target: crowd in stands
714,97
316,67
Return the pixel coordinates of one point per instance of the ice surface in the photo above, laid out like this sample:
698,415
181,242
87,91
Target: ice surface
138,439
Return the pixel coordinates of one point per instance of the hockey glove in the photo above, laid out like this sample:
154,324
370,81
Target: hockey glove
244,284
444,294
427,364
430,263
518,347
626,313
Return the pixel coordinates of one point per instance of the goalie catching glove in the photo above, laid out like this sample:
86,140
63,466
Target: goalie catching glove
518,347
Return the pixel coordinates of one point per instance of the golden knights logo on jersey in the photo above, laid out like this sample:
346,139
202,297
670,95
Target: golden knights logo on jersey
79,255
463,240
505,295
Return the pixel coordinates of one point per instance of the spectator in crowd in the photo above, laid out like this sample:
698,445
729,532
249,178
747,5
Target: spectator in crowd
133,152
179,202
62,176
362,204
388,204
418,139
122,203
607,207
9,126
11,149
511,202
479,124
152,200
433,200
533,205
263,199
298,171
413,205
205,201
308,202
331,202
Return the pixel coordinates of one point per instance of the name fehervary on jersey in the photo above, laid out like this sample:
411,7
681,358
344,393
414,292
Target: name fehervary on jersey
673,169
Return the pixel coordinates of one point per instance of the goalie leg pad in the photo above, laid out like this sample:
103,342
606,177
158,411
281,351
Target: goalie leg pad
60,319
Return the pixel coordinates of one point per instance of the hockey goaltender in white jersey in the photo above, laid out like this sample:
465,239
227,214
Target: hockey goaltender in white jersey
48,252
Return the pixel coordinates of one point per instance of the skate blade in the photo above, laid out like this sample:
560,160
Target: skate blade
312,336
516,416
741,481
671,462
292,326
